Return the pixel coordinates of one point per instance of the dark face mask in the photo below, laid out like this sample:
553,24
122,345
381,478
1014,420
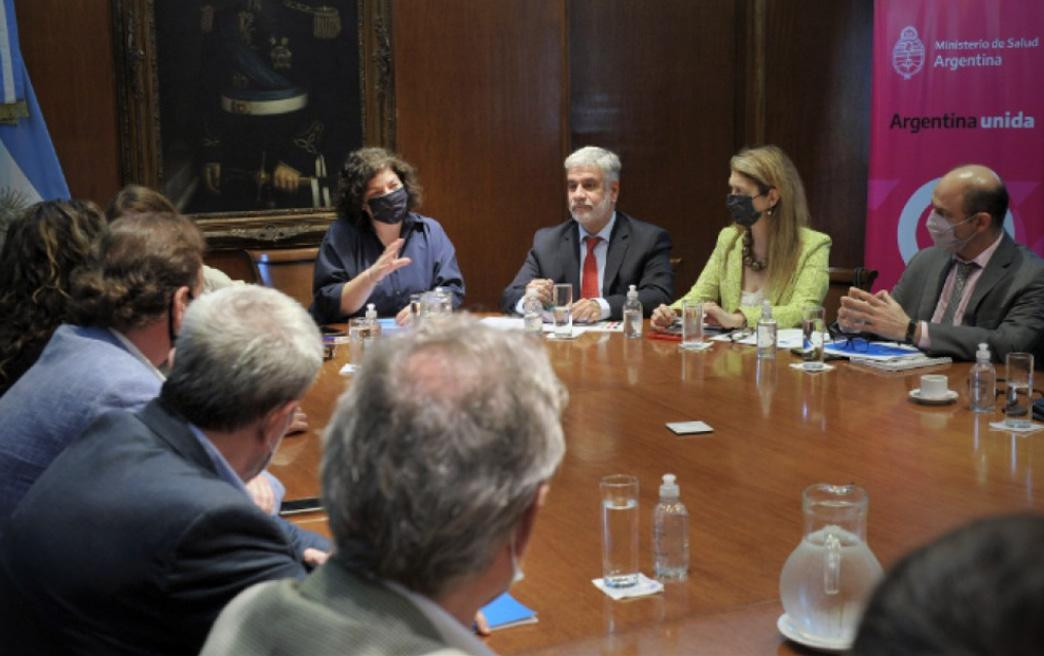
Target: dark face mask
741,207
390,208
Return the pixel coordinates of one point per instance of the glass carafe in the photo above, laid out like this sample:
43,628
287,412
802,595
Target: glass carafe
828,578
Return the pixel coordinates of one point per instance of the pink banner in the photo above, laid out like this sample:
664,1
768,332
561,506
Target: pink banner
954,82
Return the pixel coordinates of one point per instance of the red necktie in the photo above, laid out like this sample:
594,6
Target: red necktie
589,282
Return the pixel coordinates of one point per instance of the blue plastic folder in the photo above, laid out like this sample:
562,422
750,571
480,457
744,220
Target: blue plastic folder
505,611
878,350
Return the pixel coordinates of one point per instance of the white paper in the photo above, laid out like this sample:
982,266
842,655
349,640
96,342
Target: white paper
1001,426
810,368
787,338
505,323
349,369
643,588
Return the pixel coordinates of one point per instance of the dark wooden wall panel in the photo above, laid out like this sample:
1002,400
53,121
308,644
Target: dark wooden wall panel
67,45
654,82
480,105
817,108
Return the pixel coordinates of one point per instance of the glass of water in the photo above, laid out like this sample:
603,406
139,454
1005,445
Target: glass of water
1019,388
619,530
692,324
562,310
358,337
813,326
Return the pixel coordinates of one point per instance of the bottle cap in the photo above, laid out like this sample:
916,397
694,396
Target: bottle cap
632,292
984,352
371,310
669,488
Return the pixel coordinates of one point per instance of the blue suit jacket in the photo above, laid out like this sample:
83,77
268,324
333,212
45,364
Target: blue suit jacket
82,373
639,254
130,543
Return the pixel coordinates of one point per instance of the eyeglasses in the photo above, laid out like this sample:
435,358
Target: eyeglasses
849,341
737,335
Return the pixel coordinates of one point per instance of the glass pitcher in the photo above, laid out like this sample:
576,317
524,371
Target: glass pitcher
828,578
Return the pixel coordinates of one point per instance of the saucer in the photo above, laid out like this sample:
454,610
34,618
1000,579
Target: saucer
827,645
949,397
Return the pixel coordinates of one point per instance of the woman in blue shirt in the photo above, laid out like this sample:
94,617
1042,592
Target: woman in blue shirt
378,250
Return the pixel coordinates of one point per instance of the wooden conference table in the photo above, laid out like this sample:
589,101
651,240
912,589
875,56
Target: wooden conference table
927,469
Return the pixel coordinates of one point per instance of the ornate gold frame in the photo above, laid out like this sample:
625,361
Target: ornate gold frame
141,160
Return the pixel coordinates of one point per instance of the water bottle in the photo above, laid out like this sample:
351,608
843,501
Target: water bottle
373,326
766,332
982,381
632,314
533,313
670,534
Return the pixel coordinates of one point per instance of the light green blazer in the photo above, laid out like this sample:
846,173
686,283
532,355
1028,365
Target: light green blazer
722,279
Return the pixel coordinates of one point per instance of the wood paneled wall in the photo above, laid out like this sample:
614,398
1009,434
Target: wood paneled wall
67,46
480,100
817,100
490,96
654,83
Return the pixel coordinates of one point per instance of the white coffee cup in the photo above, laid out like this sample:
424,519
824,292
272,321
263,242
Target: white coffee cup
934,386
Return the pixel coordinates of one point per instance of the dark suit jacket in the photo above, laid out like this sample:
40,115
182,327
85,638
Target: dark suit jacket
638,254
130,543
1006,309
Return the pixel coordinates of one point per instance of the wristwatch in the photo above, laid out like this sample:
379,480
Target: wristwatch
911,330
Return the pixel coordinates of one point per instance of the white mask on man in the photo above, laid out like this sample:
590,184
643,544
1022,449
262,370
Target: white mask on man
944,233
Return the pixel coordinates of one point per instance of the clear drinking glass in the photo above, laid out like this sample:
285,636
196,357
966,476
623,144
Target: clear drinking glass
415,309
813,325
692,324
1019,379
619,530
358,337
562,310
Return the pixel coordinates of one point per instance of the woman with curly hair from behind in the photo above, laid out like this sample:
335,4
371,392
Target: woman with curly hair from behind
43,247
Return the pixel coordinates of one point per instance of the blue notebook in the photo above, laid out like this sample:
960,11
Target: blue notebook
876,350
505,611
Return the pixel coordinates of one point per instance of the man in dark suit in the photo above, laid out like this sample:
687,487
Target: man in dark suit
138,534
974,285
600,252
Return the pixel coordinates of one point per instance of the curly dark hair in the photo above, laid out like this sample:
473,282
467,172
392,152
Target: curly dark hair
359,168
142,260
136,198
44,245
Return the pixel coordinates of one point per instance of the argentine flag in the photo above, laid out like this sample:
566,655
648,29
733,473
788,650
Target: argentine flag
29,169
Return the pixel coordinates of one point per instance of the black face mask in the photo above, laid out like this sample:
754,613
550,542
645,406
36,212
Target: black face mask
390,208
741,207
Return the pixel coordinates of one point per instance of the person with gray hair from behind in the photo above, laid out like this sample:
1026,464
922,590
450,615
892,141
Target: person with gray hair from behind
436,463
600,251
139,533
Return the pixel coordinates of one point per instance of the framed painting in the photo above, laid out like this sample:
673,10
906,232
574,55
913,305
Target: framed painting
242,111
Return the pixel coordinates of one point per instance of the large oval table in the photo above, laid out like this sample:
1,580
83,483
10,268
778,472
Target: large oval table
927,469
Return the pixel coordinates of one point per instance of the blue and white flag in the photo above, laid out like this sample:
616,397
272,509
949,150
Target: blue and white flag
29,168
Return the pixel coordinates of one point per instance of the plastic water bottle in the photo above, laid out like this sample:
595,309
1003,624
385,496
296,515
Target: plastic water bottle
982,381
373,326
632,314
766,332
670,534
533,313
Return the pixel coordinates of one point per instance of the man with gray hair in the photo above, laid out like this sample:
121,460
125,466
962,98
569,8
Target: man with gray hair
435,465
600,252
139,533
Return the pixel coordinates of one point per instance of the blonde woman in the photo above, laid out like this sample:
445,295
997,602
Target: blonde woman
767,253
